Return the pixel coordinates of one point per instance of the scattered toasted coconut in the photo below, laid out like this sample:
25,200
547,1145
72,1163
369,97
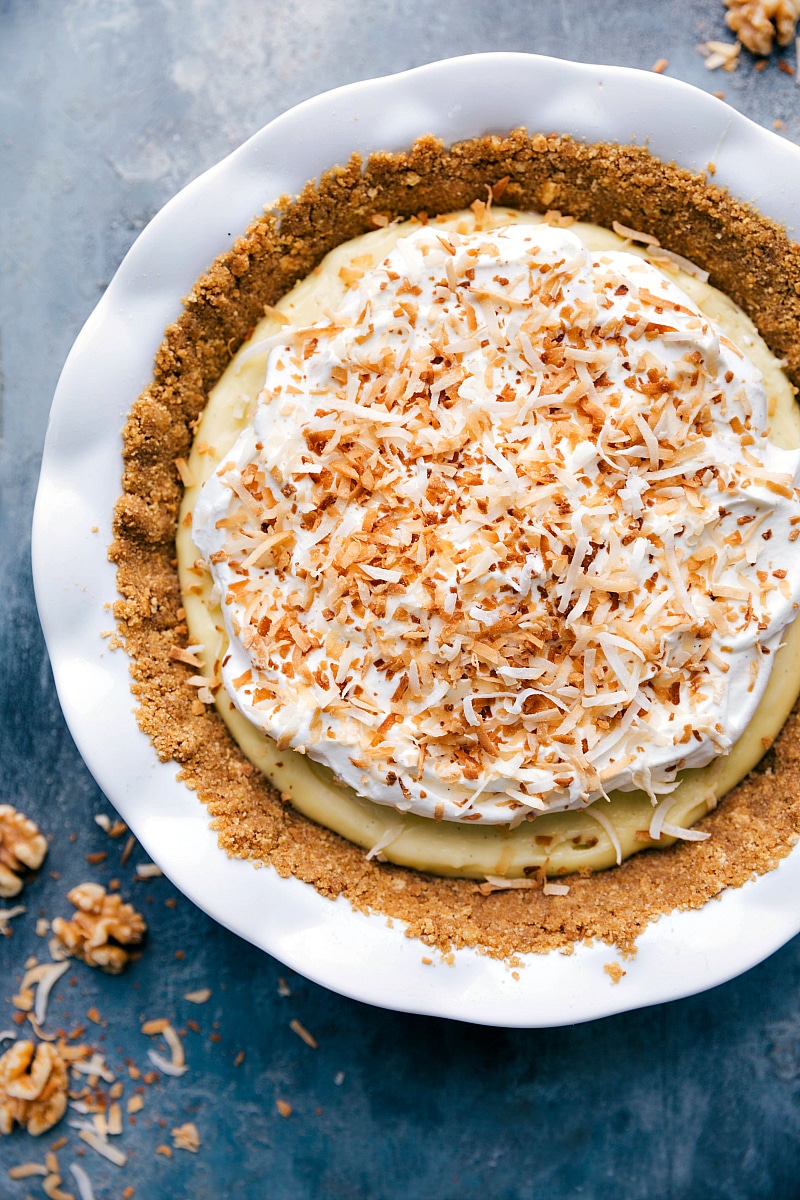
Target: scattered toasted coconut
40,1033
165,1064
634,235
114,829
135,1103
8,914
27,1170
53,1190
177,1064
148,871
303,1033
176,1046
497,883
186,1137
614,971
46,981
198,997
659,66
94,1067
555,889
83,1182
283,1108
283,987
721,54
93,1139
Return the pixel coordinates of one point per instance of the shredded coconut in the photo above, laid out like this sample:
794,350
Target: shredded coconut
480,552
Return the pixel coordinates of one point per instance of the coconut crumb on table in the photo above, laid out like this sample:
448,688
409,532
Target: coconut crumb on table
753,261
302,1032
720,54
186,1137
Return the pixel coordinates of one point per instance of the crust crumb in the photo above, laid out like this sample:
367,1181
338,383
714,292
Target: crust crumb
614,971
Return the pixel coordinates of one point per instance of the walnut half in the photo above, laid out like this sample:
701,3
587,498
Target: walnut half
22,848
33,1087
757,22
101,928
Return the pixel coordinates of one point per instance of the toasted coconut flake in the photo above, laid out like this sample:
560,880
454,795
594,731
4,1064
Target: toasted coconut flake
303,1033
148,870
685,264
165,1064
82,1180
27,1170
115,1156
186,1137
185,472
499,883
555,889
176,1046
96,1065
506,570
180,654
685,835
46,982
390,835
198,997
634,235
605,822
52,1189
157,1025
659,816
8,914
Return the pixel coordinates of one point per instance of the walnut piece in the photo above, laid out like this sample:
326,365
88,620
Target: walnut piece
101,928
22,848
757,22
33,1087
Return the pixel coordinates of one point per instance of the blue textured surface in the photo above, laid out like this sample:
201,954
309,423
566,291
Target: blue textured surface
107,107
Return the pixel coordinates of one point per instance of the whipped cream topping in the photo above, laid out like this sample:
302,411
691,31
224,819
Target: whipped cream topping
506,533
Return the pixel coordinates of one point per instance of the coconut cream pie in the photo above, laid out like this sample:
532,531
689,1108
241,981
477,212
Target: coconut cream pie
486,547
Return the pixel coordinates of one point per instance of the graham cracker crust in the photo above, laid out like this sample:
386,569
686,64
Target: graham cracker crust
747,255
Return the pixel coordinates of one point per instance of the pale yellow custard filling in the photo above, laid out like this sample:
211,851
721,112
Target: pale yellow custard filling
559,842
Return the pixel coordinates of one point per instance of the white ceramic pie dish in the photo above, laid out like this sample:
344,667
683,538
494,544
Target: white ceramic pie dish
111,362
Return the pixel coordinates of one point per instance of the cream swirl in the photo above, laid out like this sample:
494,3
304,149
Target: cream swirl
507,532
